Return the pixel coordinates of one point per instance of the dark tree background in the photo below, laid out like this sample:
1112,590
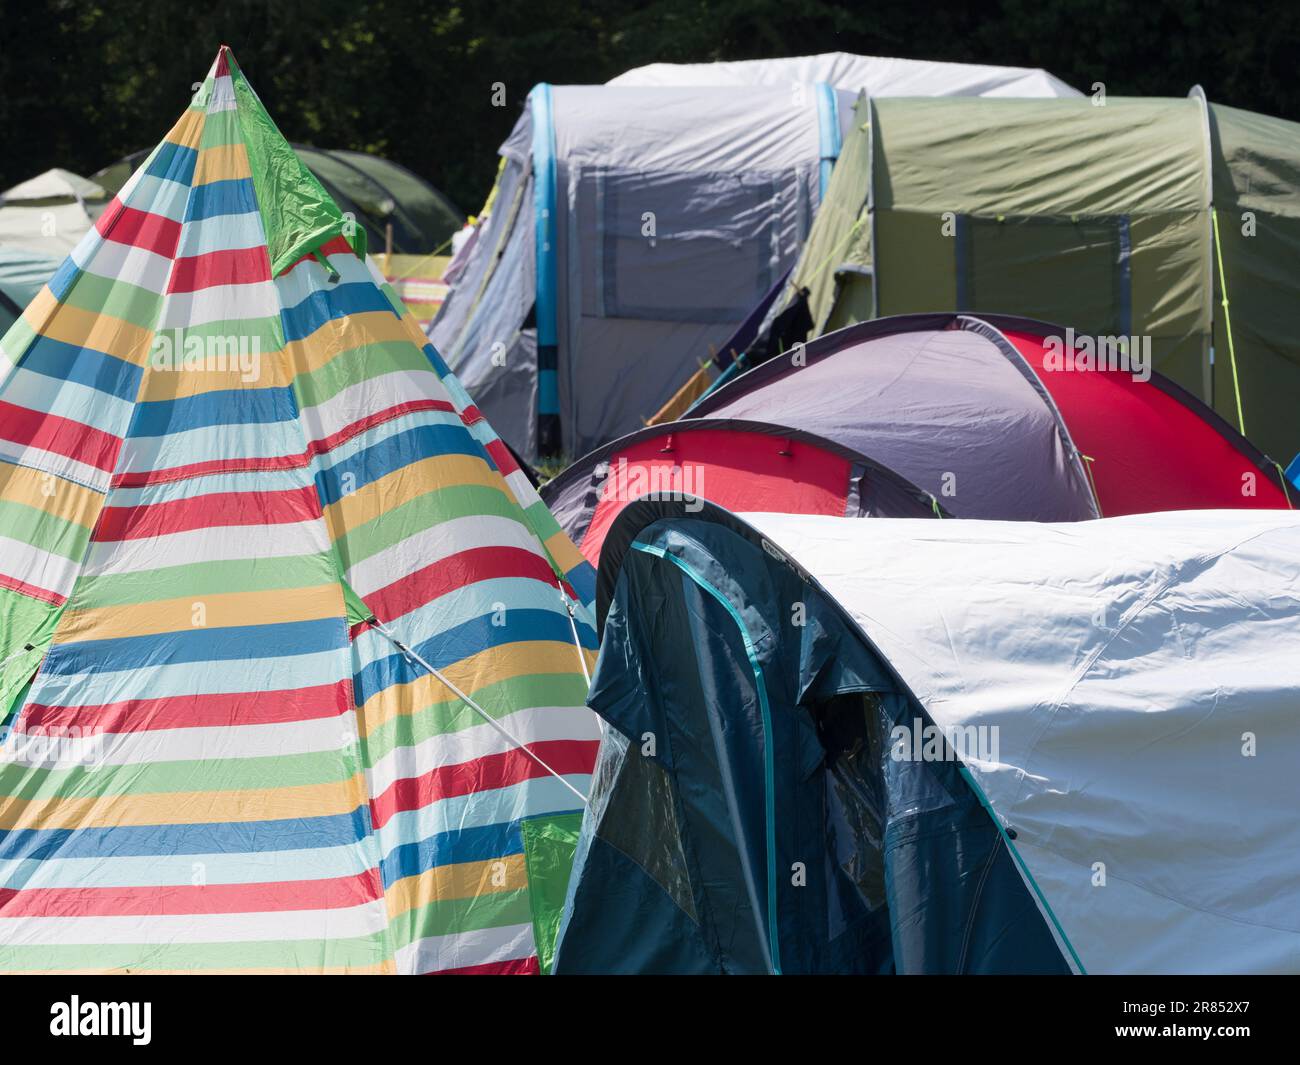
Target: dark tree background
83,83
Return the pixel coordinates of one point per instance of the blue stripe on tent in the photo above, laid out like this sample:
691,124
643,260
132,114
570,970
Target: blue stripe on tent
83,366
582,579
450,646
234,643
227,837
436,360
231,196
1293,471
235,406
173,162
324,305
828,128
547,282
478,844
394,453
63,279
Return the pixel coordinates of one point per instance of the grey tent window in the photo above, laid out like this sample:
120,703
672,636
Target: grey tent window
1076,271
849,727
633,804
684,247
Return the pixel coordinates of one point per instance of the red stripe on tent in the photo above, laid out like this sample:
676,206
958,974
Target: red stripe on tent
482,774
320,447
140,229
1151,451
332,894
501,456
198,711
13,584
512,967
141,478
471,415
333,246
735,468
457,571
242,266
62,436
215,511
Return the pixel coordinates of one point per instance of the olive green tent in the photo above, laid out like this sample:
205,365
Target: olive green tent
1119,217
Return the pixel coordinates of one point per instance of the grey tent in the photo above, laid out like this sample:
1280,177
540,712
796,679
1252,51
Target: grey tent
635,226
630,228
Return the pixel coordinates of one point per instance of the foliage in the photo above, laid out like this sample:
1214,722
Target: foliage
83,83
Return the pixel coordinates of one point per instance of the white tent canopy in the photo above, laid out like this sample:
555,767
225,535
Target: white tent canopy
52,185
876,75
50,213
1143,676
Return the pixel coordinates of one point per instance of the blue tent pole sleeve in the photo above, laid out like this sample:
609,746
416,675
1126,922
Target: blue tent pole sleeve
544,192
828,124
769,762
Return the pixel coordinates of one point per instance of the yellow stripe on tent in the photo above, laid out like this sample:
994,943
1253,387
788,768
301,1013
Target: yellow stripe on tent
461,881
188,129
164,385
49,493
562,551
408,483
226,610
99,332
341,336
489,666
222,162
183,807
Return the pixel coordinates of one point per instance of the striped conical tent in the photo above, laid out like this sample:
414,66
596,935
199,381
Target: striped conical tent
291,655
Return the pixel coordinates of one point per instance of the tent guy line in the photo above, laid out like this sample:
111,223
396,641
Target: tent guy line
413,656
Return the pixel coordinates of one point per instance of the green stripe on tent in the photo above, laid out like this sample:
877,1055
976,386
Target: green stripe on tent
205,578
451,715
491,909
309,954
44,530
